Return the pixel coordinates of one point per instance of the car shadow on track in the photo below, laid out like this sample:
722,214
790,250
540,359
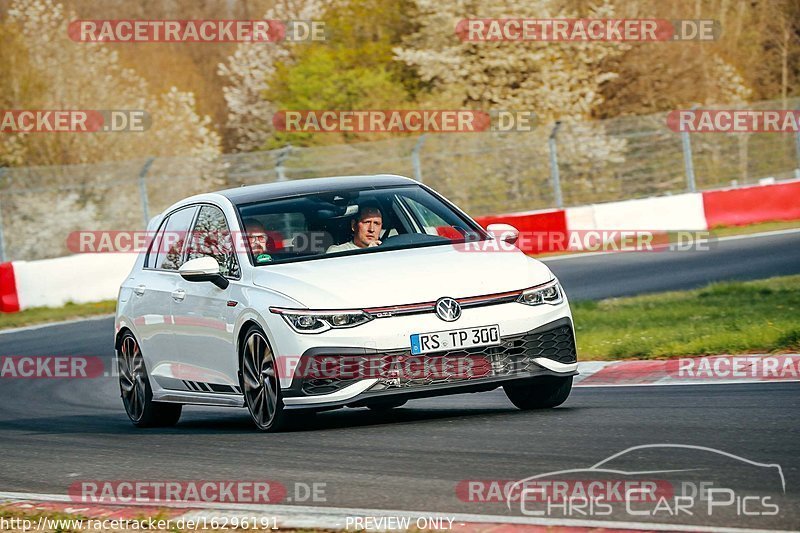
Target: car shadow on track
211,423
356,418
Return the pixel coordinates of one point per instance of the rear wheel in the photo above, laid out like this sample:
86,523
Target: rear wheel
137,396
539,393
262,391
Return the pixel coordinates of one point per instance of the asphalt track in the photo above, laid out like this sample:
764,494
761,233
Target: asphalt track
56,432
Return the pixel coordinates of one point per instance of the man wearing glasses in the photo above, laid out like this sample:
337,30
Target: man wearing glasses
258,240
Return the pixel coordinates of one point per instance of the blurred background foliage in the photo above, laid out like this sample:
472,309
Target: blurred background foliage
212,98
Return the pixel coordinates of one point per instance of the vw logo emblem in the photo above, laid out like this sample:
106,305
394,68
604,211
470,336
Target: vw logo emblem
448,309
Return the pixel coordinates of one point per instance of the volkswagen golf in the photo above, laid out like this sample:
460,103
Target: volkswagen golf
356,291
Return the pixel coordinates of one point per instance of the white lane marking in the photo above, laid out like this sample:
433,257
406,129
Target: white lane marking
762,234
578,255
684,383
335,517
50,324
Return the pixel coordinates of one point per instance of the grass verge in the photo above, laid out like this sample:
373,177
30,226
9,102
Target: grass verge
42,315
761,227
731,317
723,318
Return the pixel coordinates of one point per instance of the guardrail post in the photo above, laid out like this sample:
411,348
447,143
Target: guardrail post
687,161
283,154
797,151
143,190
554,176
688,164
415,162
2,238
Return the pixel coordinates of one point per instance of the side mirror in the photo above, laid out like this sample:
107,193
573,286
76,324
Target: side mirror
503,232
203,269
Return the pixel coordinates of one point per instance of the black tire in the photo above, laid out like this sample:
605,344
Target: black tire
259,382
386,405
135,390
539,393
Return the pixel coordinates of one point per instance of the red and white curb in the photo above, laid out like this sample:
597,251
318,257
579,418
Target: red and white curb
715,369
338,518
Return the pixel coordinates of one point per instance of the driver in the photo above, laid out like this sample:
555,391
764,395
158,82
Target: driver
258,240
366,228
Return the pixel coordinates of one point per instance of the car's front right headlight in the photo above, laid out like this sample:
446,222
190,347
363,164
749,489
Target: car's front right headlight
550,293
309,321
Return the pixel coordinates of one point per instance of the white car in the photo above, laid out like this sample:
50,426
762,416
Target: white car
241,301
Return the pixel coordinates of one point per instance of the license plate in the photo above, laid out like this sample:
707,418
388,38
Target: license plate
455,339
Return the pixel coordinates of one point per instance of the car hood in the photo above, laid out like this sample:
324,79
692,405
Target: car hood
401,277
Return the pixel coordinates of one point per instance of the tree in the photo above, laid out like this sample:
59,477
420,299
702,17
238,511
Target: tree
248,73
352,69
663,76
49,71
555,80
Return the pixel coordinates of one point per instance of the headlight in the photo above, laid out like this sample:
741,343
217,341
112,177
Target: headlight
303,321
549,293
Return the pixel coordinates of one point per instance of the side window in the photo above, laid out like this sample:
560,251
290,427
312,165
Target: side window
211,236
429,220
155,246
170,251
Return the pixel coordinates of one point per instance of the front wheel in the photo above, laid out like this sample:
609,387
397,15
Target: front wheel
134,385
262,390
539,393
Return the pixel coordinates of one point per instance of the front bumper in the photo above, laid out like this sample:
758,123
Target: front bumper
548,350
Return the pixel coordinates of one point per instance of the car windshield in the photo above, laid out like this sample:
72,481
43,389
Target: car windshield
351,221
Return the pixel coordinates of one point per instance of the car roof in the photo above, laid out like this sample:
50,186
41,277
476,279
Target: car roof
282,189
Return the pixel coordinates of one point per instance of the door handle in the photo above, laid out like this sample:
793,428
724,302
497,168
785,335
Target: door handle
139,290
178,295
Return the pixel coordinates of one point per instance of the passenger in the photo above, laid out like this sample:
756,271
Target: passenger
258,240
366,228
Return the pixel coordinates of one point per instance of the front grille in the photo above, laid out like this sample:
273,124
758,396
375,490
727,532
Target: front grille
400,369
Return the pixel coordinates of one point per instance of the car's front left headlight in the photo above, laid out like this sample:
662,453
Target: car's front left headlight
308,321
550,293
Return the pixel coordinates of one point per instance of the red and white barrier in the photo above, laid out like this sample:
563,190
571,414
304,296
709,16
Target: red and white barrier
549,220
94,277
737,207
680,212
9,301
79,278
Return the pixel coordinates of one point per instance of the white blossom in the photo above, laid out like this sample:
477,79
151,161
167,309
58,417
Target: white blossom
247,72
